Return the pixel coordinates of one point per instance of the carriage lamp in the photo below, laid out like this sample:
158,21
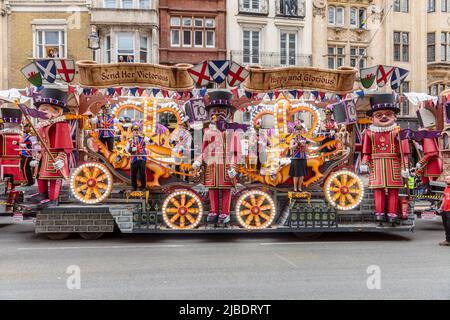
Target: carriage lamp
93,39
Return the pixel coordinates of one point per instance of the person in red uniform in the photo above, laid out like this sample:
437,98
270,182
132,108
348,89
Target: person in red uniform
386,156
55,134
220,153
445,213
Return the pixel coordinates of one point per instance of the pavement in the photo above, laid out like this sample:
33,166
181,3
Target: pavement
402,265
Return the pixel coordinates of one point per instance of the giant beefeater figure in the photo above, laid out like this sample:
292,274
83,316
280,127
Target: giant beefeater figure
386,155
220,153
55,134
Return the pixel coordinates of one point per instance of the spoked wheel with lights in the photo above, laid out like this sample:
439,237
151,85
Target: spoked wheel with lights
91,183
255,209
344,190
182,209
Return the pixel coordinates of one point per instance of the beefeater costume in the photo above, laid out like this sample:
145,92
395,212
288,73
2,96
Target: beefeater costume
381,148
55,134
220,153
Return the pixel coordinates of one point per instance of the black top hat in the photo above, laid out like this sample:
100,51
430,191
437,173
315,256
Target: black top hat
385,101
220,98
51,96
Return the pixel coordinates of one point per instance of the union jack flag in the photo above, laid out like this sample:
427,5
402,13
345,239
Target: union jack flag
73,157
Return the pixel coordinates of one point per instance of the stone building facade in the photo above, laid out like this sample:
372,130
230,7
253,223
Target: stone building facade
127,29
270,33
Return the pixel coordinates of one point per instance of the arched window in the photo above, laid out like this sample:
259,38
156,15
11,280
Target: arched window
331,15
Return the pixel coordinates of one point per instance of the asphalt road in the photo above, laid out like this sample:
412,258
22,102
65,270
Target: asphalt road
239,266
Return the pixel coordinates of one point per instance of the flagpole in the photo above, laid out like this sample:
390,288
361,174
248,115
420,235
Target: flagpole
42,142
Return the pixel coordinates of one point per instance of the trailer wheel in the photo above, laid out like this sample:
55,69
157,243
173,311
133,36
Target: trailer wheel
57,236
182,209
90,235
344,190
255,209
91,183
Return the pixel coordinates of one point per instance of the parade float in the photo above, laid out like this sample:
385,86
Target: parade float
153,151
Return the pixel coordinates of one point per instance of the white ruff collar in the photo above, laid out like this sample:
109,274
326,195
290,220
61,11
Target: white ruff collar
383,129
48,122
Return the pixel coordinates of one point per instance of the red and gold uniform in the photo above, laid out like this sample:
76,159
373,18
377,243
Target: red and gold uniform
431,159
59,141
382,150
220,152
55,137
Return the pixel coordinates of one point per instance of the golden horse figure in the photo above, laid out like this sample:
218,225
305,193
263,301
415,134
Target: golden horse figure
121,161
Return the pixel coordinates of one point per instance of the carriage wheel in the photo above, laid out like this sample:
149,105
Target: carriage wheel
182,209
255,209
344,190
91,183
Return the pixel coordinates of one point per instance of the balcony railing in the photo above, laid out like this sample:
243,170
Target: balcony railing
260,7
271,59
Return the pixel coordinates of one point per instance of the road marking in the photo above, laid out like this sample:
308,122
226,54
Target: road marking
106,247
286,260
310,243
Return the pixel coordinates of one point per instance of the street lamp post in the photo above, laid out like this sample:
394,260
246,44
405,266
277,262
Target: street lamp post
93,41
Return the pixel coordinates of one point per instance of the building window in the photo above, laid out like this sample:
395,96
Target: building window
127,4
401,6
251,4
404,105
445,5
340,16
362,18
210,33
110,4
50,44
331,15
108,49
125,47
431,47
196,32
358,18
445,46
431,6
336,56
251,46
143,49
288,47
336,16
358,57
353,17
288,7
401,46
144,4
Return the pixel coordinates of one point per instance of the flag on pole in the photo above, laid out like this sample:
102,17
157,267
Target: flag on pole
383,75
368,76
398,76
31,73
47,68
